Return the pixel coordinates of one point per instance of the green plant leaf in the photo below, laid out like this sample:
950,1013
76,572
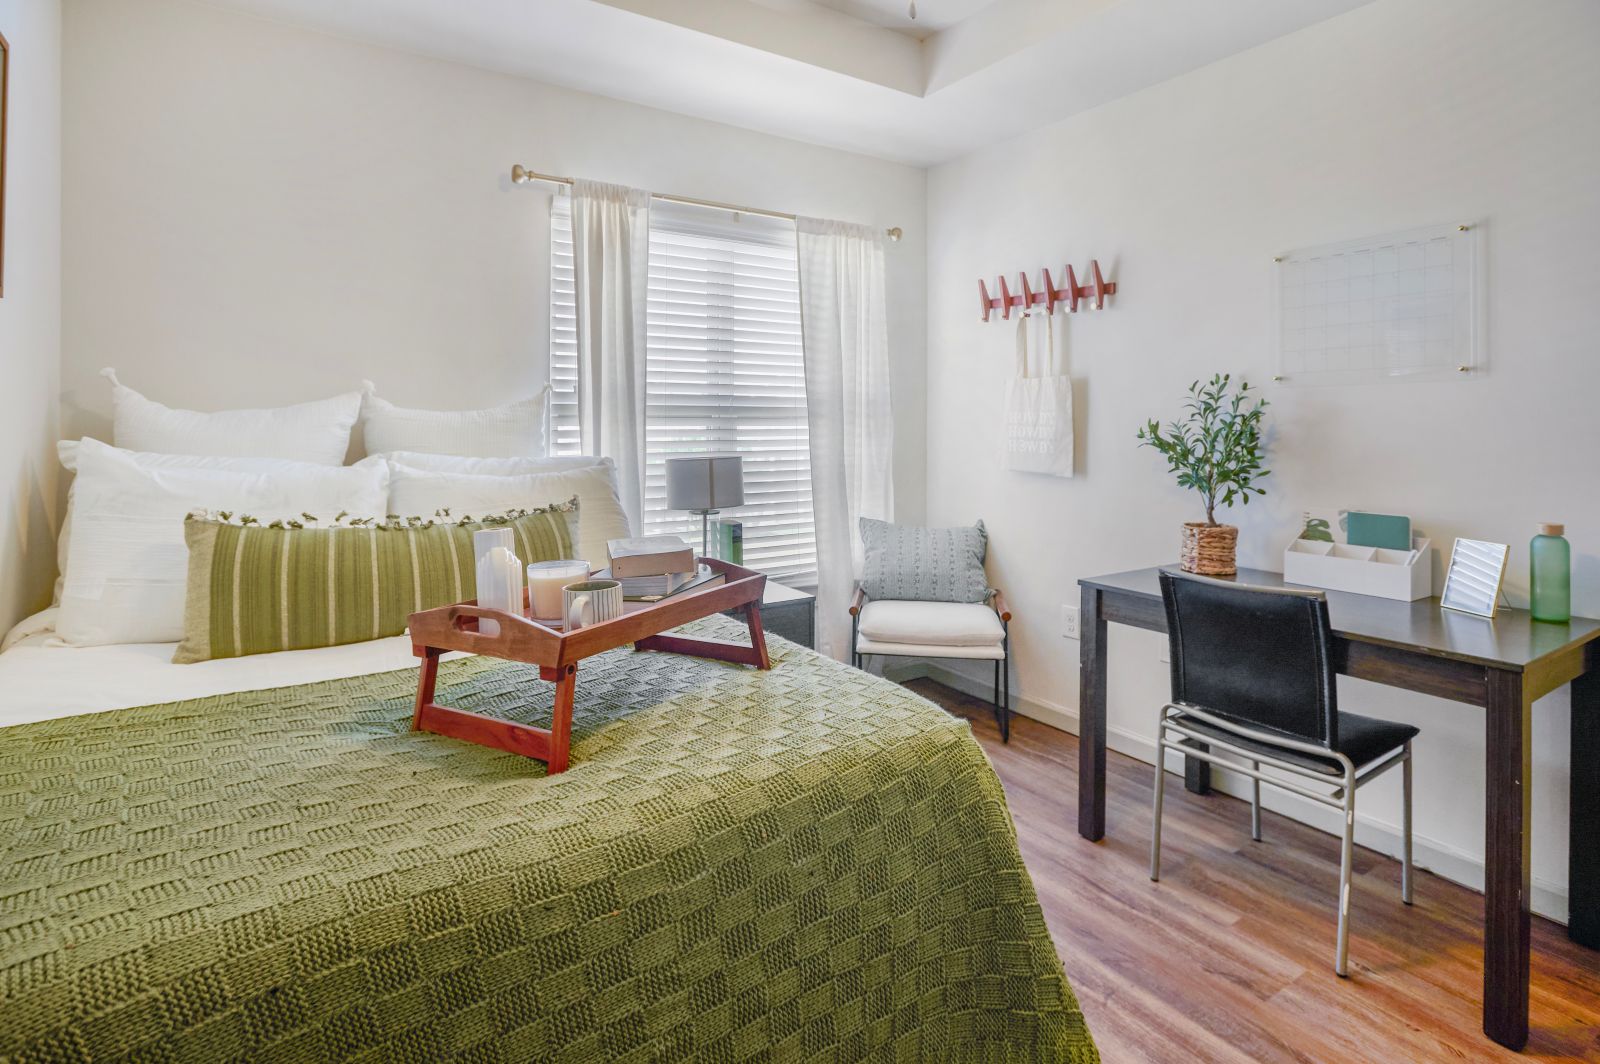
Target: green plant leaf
1216,447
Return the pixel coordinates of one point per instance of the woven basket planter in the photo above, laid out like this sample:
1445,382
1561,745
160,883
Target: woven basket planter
1209,549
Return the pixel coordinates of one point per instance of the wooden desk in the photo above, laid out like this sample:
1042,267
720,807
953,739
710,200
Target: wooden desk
1502,665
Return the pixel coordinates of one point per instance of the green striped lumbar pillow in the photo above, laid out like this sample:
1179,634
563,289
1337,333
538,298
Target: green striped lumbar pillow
255,589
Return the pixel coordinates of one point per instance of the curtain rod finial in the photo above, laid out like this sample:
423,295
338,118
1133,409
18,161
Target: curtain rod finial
520,175
895,234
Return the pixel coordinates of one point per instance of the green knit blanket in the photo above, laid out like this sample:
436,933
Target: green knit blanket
807,864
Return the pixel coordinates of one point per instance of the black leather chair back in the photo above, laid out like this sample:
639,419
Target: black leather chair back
1259,656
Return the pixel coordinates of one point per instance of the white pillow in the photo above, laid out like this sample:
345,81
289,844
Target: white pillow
67,453
126,564
496,467
422,493
515,430
317,432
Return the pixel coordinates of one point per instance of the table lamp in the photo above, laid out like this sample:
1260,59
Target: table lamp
704,485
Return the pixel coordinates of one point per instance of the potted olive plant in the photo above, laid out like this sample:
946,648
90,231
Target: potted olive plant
1216,449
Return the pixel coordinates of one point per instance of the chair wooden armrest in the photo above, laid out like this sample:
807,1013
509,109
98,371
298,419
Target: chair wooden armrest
999,603
858,600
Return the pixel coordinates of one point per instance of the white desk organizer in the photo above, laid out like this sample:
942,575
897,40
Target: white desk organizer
1392,574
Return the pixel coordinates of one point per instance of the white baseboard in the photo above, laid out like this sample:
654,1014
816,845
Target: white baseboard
1059,717
1442,859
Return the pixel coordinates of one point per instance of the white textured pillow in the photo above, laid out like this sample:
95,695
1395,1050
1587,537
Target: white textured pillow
515,430
422,493
126,563
67,453
317,432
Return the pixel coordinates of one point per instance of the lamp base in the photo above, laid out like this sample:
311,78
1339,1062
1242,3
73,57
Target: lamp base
705,530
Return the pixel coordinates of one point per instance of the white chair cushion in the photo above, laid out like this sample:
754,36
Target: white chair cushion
994,652
930,624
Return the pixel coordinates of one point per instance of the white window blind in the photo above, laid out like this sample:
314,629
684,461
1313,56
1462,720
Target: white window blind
725,371
564,438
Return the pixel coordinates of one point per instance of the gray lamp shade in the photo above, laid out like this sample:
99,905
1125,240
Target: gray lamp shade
712,482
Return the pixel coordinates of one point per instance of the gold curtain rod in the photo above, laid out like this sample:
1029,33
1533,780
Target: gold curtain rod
521,175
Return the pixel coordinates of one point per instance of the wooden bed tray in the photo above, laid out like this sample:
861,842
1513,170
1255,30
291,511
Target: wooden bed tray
557,653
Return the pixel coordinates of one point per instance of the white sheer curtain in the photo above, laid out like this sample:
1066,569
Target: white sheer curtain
610,261
846,335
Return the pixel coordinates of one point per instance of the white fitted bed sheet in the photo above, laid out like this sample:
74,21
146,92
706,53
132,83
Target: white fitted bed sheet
42,678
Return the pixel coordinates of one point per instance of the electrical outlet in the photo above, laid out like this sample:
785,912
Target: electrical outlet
1069,622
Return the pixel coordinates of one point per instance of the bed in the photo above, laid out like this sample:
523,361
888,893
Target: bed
807,863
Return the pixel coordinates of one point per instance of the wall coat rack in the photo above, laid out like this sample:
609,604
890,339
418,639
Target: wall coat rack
1069,294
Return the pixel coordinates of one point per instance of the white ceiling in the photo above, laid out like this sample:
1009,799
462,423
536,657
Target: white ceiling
932,15
852,74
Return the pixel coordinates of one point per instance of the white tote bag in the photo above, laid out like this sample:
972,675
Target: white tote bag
1039,410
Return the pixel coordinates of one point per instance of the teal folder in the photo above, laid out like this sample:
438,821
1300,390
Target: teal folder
1378,530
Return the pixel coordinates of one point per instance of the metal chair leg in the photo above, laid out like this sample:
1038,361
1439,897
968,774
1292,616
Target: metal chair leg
1161,785
1005,698
999,711
1341,963
1255,803
1405,828
1002,698
1003,667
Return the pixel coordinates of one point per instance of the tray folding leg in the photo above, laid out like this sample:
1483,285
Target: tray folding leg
551,745
566,681
754,654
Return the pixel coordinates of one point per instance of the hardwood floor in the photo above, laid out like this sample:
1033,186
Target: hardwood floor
1230,956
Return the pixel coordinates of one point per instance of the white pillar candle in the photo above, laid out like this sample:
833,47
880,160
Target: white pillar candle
499,586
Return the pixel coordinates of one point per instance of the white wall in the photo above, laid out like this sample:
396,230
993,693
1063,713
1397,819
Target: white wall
258,214
1401,113
30,310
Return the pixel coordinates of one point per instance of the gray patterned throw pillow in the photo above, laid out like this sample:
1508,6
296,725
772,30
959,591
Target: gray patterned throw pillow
926,564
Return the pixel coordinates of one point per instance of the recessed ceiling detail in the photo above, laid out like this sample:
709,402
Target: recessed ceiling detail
852,74
932,15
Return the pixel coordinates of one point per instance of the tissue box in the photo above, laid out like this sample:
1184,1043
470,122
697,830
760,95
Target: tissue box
1392,574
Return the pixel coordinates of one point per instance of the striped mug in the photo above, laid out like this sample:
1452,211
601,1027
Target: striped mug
592,602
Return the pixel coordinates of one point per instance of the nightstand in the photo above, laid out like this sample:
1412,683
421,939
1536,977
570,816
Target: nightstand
789,613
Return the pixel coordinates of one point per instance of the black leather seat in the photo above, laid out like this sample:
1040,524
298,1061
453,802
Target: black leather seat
1362,739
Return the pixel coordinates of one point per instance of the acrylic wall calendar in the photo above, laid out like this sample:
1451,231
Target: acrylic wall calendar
1406,305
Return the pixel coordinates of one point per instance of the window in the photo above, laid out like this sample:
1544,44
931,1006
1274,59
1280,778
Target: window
724,371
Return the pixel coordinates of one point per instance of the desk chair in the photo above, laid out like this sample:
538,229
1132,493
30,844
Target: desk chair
1253,679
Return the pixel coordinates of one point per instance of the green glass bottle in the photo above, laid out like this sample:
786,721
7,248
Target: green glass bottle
1550,575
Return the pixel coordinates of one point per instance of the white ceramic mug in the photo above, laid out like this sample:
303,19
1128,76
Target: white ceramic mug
592,602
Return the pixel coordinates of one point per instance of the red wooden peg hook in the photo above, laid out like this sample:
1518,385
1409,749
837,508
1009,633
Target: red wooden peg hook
1071,293
1100,286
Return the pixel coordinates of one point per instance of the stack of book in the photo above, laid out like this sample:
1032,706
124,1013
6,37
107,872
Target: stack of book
652,568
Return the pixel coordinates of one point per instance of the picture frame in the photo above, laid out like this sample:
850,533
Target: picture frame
5,128
1472,584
